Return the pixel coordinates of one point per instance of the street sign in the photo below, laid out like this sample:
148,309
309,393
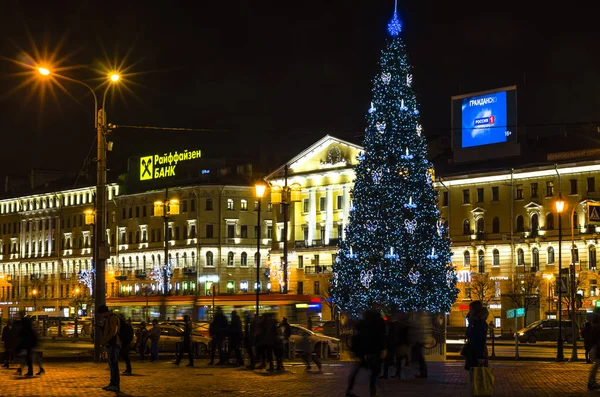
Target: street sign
510,313
593,212
520,312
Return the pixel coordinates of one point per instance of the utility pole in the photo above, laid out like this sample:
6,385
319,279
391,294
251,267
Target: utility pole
100,248
285,204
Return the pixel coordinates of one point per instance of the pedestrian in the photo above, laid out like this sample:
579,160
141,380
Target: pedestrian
250,339
476,352
368,343
287,332
186,343
235,338
218,333
417,341
594,352
28,342
266,339
390,345
307,347
588,339
9,338
141,340
309,323
126,348
154,338
278,347
112,342
402,352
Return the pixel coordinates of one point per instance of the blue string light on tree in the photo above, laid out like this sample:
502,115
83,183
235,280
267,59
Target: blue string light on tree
414,276
410,204
419,129
158,275
371,225
407,155
409,79
366,277
440,227
380,127
391,254
395,26
376,177
86,277
372,108
433,255
410,225
386,78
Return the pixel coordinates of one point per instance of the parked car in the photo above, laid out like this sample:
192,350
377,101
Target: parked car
546,330
328,328
318,340
170,335
67,328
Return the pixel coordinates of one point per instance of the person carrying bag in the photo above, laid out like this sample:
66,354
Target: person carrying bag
481,377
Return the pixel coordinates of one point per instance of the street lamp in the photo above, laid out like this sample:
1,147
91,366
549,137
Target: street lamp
164,209
560,206
260,192
100,251
34,293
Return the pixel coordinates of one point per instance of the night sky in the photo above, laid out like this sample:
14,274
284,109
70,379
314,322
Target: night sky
271,77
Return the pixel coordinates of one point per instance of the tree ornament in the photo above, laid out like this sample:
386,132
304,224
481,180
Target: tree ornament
386,78
440,227
433,255
419,129
376,177
371,225
410,225
372,108
402,107
410,204
366,277
407,155
391,254
86,277
380,127
414,276
409,80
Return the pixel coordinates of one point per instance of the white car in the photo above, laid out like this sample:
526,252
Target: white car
319,341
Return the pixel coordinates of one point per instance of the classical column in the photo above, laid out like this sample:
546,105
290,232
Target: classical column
328,213
346,209
312,214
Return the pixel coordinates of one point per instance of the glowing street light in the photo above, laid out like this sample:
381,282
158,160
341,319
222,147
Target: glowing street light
43,71
115,77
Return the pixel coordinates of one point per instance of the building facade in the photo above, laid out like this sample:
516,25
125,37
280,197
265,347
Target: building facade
212,244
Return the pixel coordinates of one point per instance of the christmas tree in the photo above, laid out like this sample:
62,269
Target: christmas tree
396,252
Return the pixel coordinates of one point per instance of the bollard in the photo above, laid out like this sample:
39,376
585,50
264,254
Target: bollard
493,340
292,349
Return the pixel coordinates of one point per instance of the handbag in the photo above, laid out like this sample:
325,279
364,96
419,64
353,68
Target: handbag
482,381
466,349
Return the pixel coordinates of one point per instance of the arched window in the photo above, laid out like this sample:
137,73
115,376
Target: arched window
520,257
137,263
467,259
496,258
244,259
230,256
550,221
535,260
209,259
535,224
480,225
480,262
466,227
520,224
144,263
496,225
550,255
592,257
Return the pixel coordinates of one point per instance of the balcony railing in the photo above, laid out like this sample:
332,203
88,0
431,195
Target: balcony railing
189,271
318,269
140,274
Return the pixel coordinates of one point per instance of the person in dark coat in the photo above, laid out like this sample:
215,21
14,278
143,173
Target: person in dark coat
250,339
9,337
186,342
267,337
28,341
390,345
218,332
476,336
368,343
235,338
588,340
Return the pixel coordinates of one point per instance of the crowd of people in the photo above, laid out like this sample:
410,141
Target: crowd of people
21,346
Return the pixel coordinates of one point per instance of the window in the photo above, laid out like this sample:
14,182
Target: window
480,225
480,262
137,211
497,291
535,260
519,192
575,255
137,236
466,259
300,288
185,232
305,205
193,205
244,205
184,206
209,259
317,286
230,204
244,286
592,257
244,232
230,286
123,213
550,221
445,199
575,220
549,189
340,202
591,184
244,259
269,232
466,227
230,231
269,206
301,262
130,212
495,194
466,197
209,205
535,225
520,224
322,203
573,186
520,257
534,189
176,232
340,231
130,237
495,258
593,288
480,195
209,231
193,231
230,257
496,225
550,256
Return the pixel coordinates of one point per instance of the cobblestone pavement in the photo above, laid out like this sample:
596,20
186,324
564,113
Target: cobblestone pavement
513,379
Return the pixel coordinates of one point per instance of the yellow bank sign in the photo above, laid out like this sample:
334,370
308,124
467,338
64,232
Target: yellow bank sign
163,166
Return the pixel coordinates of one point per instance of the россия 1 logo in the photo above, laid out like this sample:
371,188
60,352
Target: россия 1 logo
489,120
